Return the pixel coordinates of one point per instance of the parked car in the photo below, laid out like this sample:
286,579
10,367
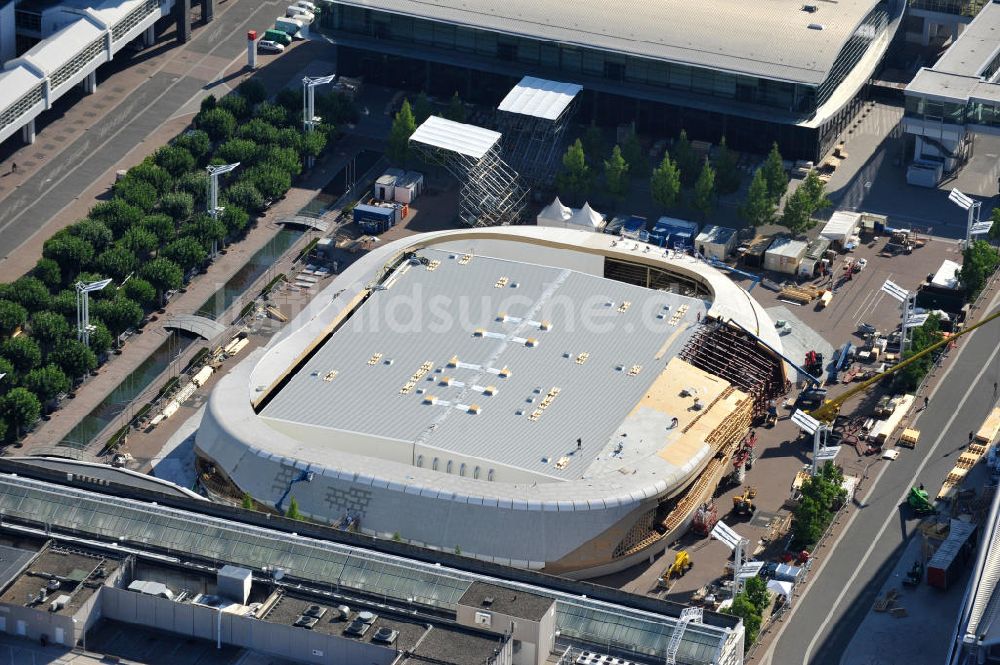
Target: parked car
267,46
300,14
290,26
308,6
279,36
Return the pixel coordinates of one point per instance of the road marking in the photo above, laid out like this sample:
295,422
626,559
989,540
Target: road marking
892,516
768,656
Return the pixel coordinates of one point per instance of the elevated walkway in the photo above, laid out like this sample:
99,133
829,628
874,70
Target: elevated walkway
32,83
310,222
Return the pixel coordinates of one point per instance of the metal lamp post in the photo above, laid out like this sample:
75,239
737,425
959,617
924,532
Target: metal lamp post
83,291
970,205
309,117
213,194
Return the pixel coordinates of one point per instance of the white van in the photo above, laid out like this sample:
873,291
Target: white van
290,25
305,4
300,14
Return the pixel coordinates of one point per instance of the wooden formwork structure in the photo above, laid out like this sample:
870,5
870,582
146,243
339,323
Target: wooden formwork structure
733,355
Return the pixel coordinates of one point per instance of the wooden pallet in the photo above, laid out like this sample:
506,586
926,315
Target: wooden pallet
799,294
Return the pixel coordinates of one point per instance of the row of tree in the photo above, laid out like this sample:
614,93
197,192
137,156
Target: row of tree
750,605
822,495
147,237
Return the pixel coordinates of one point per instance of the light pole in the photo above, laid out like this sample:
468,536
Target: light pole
908,303
213,195
970,205
83,327
309,117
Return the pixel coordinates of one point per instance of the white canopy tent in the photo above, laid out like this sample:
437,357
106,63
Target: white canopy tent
842,225
554,214
558,215
587,218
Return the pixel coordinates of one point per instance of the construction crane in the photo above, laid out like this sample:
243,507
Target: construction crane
827,412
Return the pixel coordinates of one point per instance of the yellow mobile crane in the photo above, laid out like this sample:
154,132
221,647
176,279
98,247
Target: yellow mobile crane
828,411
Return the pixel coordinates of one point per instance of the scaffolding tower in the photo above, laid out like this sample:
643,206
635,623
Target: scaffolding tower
532,119
491,193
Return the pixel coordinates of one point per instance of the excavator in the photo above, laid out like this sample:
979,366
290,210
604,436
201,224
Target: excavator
743,503
682,563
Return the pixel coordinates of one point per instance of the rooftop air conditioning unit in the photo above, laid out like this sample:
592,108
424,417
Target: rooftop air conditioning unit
816,26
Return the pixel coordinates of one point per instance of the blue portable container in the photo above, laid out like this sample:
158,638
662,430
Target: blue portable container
374,220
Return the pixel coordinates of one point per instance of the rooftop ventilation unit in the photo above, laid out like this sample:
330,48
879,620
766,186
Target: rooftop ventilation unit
812,9
816,26
474,409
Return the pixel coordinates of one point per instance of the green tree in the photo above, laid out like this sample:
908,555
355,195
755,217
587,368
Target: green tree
140,241
727,172
174,159
797,214
636,157
403,126
12,317
284,158
293,512
616,173
206,230
186,252
253,91
138,193
64,303
8,380
313,144
48,271
196,142
593,141
236,105
814,190
757,593
665,183
235,219
994,233
73,254
49,329
258,131
247,502
100,337
455,110
149,172
686,159
704,190
95,232
744,609
119,314
74,358
4,428
979,261
22,352
422,108
162,227
46,382
140,291
271,182
179,205
117,262
20,408
758,209
273,114
246,196
208,103
774,175
575,176
163,274
118,215
195,183
29,292
218,123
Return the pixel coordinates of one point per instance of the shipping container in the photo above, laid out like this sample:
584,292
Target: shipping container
945,567
385,187
374,220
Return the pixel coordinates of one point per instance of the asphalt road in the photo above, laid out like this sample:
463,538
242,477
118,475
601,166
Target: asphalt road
851,574
153,102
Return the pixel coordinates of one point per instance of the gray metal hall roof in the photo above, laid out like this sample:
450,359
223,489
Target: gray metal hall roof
767,38
131,524
590,347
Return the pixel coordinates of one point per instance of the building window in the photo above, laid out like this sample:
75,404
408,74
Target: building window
507,51
448,468
489,476
420,460
475,473
434,464
614,71
461,469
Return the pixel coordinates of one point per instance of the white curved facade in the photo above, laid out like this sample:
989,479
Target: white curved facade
530,520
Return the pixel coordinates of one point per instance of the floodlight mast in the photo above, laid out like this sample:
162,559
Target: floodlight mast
970,205
83,290
309,117
213,194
